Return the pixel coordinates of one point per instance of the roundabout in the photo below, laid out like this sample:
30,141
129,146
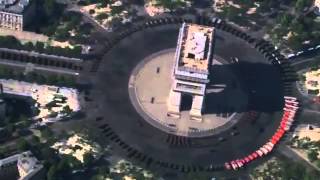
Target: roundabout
149,88
252,94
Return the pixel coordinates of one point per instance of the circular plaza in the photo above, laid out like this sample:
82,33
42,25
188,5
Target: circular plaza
243,104
151,82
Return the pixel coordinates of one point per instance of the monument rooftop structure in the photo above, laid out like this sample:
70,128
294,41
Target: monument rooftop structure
193,51
191,70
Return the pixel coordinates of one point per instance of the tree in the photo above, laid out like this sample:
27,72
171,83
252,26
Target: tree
2,153
52,173
102,16
52,79
2,71
169,4
313,155
35,140
295,42
39,46
98,177
63,166
62,34
317,144
300,4
9,42
116,10
46,133
41,79
29,46
232,13
92,11
302,78
76,50
72,161
31,77
87,159
22,144
75,18
49,30
292,171
104,3
318,163
285,20
85,28
67,109
49,154
25,122
10,128
103,170
49,6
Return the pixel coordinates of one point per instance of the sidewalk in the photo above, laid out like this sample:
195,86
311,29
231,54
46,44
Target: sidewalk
24,35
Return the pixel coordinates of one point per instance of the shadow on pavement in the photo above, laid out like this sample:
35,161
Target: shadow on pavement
244,86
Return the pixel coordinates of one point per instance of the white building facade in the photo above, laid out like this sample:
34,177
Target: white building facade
14,13
11,21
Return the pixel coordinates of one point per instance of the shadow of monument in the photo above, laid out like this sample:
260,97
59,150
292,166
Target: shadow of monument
244,86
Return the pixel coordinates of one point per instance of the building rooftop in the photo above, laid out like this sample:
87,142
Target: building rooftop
195,47
84,146
9,160
313,80
28,163
44,94
13,6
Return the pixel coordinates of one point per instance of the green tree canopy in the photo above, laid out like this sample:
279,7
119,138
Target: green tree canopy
313,155
23,145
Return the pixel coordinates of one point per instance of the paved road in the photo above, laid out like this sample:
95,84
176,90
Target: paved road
37,67
302,61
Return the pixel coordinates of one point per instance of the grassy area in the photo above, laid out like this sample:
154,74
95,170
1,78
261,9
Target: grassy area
58,24
311,148
289,23
296,26
71,28
16,119
280,169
